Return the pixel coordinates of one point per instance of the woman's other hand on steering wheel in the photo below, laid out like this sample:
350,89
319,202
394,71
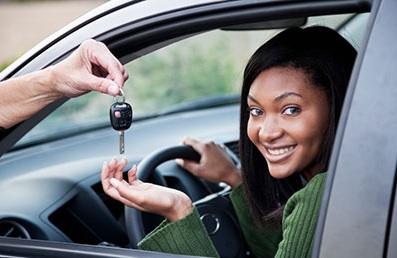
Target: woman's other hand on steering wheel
169,203
215,164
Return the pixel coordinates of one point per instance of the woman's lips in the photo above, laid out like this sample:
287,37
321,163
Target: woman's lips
278,154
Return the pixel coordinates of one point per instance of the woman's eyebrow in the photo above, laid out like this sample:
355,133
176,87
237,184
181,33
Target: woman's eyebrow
286,95
279,98
252,98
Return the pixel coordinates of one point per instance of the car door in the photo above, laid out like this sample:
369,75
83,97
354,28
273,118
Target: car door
357,217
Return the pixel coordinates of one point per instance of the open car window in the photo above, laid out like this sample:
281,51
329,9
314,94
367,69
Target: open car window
202,70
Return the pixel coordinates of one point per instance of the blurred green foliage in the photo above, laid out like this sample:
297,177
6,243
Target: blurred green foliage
182,74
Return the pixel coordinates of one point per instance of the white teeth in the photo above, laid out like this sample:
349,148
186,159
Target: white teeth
280,151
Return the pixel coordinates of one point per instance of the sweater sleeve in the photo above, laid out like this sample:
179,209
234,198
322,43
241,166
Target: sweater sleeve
187,236
300,220
262,242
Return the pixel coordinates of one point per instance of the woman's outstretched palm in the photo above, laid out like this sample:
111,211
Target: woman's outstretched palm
167,202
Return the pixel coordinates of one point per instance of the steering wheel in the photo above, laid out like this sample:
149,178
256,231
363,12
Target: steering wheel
216,210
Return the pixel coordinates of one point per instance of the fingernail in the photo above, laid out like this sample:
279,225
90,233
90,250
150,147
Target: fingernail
114,182
113,90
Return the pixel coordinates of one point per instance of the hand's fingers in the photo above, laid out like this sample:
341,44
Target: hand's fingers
132,177
105,176
127,195
101,56
116,183
166,202
108,181
108,169
180,162
111,64
113,163
123,163
120,168
103,85
189,165
117,73
197,145
105,73
190,141
113,191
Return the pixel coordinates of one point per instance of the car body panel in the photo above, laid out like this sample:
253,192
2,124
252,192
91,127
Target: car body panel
363,178
22,248
364,160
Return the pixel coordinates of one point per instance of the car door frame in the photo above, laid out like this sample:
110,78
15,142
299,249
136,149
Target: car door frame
21,248
356,218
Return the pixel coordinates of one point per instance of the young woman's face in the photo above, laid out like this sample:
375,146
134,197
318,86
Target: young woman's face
288,120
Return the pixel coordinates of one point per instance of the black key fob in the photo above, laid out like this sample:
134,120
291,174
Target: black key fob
121,116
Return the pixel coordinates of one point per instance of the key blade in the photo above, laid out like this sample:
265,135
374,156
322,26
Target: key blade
121,142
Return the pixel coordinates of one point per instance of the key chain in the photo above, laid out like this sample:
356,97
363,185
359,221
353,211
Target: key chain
121,118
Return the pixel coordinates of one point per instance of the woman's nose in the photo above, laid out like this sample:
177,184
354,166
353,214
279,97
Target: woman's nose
270,130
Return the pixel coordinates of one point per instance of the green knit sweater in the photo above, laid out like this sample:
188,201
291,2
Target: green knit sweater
295,239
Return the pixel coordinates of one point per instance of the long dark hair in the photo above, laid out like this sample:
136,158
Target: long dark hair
327,58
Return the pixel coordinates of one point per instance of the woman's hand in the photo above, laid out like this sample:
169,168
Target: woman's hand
215,164
167,202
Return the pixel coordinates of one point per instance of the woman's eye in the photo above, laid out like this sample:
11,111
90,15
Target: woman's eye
255,112
292,111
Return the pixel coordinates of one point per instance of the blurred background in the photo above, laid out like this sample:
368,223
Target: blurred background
25,23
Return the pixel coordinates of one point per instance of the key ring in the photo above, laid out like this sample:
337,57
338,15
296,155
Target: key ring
122,96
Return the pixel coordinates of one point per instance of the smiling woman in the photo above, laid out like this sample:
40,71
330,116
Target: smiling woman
327,60
292,94
288,121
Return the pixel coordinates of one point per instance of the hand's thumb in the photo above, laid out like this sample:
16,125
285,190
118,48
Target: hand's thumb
104,85
114,182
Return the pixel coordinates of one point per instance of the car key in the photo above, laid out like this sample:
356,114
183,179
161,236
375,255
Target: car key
121,118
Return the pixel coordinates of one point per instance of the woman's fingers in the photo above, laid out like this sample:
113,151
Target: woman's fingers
132,177
113,169
147,197
120,168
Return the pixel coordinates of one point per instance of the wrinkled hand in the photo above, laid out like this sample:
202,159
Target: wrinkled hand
215,164
92,67
169,203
